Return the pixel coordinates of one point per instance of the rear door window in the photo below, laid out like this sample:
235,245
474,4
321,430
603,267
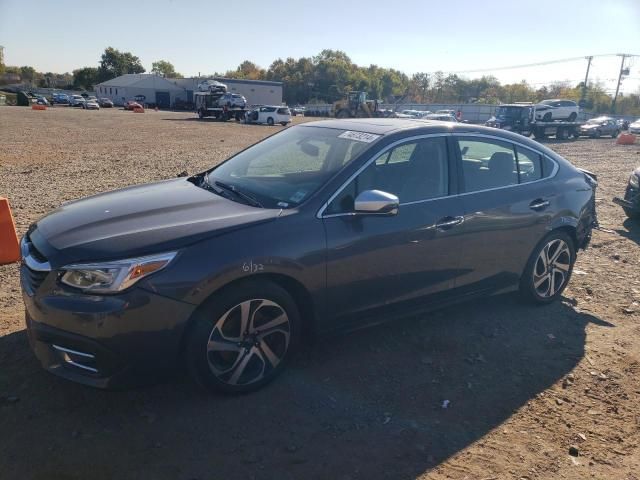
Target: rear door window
530,167
487,164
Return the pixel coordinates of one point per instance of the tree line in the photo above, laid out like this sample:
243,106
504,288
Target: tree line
328,76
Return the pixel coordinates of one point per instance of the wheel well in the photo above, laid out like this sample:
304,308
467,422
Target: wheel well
299,293
571,231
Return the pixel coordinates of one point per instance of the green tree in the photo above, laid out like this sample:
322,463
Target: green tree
164,68
85,78
114,63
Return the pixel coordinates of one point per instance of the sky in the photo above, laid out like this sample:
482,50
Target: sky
408,35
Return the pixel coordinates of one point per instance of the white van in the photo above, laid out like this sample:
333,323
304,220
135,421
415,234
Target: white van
269,114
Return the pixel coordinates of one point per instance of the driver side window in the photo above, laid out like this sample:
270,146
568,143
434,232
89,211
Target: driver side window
413,171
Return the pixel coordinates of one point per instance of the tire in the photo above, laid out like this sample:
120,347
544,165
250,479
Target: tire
538,134
615,134
220,357
344,113
562,133
597,134
546,117
284,124
270,121
573,116
632,214
200,114
541,284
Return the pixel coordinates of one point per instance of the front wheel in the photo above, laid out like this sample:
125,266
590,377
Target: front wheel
284,124
270,121
549,269
597,134
573,116
547,117
615,134
242,338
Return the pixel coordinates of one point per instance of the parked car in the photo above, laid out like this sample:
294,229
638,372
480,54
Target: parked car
441,117
631,201
60,98
232,100
321,227
596,127
634,127
623,123
298,110
269,115
91,103
131,104
76,101
105,103
446,112
549,110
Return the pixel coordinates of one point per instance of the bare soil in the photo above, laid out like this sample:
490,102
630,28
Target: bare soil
523,386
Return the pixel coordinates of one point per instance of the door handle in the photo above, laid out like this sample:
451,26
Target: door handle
539,204
448,222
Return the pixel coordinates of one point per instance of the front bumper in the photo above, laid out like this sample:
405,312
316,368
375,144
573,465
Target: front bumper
112,341
631,200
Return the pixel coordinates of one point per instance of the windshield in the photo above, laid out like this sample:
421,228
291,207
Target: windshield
287,168
509,112
547,102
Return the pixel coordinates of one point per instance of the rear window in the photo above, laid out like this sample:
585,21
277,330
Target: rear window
284,111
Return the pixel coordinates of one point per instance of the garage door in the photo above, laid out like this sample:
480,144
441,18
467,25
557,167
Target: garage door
163,100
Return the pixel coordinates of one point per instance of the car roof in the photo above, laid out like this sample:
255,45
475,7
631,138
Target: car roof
386,126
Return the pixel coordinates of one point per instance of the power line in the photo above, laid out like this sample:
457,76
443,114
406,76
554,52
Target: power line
537,64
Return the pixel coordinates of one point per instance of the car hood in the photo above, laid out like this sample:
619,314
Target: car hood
588,126
139,220
635,124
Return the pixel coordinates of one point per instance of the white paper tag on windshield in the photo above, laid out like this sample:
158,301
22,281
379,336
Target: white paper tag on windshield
359,136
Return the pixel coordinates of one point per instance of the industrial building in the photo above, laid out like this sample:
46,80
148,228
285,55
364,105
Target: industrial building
164,92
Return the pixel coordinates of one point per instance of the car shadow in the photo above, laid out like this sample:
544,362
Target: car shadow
392,401
631,230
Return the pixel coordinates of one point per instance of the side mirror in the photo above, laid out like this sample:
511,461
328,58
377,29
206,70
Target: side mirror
377,202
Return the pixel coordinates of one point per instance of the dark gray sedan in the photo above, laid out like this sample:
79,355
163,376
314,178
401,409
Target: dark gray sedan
597,127
322,227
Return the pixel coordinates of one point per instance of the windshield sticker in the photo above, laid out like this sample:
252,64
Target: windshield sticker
298,196
359,136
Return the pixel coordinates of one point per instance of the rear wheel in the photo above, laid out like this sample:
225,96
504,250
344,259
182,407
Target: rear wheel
549,268
562,133
573,116
243,337
538,133
284,124
615,134
547,117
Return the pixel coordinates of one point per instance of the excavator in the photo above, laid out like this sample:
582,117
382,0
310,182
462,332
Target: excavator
356,105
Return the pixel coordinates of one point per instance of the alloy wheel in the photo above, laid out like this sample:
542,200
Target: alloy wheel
551,270
248,342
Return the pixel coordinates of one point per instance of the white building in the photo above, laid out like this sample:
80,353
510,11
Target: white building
257,92
156,90
164,92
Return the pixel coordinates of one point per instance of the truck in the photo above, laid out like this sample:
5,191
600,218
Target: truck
520,118
207,105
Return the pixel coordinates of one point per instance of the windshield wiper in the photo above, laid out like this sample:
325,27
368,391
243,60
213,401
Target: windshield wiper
233,189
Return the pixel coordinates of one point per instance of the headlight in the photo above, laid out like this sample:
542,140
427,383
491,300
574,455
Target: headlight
633,181
113,277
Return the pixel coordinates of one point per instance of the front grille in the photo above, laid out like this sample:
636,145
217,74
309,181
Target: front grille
31,279
35,268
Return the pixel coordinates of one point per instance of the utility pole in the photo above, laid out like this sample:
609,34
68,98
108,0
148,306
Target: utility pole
615,97
586,79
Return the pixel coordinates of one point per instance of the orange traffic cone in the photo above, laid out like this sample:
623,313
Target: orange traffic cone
9,246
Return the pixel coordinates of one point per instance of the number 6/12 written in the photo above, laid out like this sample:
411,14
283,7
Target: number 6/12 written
252,267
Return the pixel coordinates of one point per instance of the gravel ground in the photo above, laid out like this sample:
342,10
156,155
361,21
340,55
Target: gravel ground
526,386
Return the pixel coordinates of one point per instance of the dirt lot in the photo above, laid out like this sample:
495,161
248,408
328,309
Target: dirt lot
524,384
